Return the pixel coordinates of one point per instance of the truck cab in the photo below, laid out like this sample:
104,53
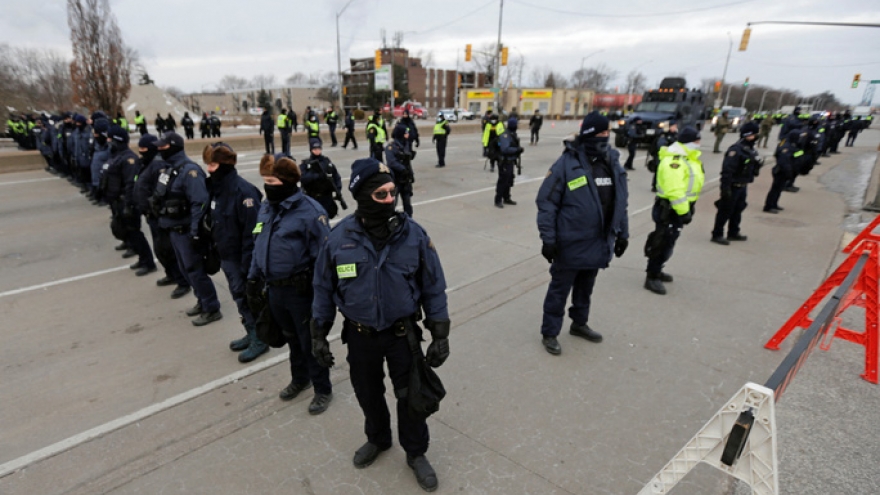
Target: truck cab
671,101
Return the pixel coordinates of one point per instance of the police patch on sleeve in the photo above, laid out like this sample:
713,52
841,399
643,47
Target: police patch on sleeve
248,202
193,174
383,169
732,153
131,161
323,219
389,147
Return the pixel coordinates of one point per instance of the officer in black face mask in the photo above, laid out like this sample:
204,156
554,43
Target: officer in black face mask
145,186
181,200
119,179
582,220
389,272
290,229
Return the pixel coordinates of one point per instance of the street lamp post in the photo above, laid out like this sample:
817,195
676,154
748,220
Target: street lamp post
497,76
761,106
745,94
339,57
577,100
724,74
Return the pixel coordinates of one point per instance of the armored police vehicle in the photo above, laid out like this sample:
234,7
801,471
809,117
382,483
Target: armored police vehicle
672,101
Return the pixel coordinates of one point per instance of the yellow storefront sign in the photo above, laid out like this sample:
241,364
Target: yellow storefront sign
536,95
480,95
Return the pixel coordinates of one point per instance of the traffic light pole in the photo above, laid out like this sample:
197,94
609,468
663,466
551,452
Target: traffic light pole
724,74
496,78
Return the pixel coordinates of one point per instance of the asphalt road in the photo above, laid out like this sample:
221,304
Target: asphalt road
108,388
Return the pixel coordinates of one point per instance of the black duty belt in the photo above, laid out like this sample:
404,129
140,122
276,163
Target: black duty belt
180,229
284,282
398,327
739,184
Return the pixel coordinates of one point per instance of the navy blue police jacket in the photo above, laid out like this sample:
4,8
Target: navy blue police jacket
189,184
288,237
100,156
570,212
83,137
740,166
402,174
122,171
377,288
235,204
146,183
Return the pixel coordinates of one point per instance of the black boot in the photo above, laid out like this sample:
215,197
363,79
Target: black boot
241,344
256,348
425,474
654,284
367,454
585,332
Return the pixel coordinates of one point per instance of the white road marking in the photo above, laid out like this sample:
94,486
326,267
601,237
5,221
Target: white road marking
13,183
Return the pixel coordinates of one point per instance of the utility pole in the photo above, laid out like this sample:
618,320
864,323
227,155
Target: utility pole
339,57
496,78
724,74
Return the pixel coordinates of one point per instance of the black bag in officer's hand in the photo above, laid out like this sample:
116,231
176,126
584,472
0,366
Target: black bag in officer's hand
268,331
425,390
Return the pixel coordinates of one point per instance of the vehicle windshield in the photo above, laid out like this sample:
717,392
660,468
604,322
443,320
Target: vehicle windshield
734,112
656,106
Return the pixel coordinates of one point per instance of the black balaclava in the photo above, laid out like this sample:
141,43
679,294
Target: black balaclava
170,151
117,146
222,171
594,146
148,156
377,218
279,192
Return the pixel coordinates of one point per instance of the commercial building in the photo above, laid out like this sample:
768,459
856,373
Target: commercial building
245,101
555,102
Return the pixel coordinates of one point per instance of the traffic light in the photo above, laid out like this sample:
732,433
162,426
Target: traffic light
467,53
717,86
377,62
856,79
345,90
744,42
504,56
396,94
746,83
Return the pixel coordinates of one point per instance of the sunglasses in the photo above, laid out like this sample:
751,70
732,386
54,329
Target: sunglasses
381,195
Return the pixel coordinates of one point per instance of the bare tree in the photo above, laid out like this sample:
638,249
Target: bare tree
33,79
102,63
427,57
636,82
232,82
295,79
597,78
484,60
263,81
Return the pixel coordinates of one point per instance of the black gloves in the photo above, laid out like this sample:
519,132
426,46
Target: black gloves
320,344
485,151
417,143
549,252
686,218
620,246
253,291
438,350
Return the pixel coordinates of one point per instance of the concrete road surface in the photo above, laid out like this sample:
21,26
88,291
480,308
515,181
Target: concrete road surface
107,387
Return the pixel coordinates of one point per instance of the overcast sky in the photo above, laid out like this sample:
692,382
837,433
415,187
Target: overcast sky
192,44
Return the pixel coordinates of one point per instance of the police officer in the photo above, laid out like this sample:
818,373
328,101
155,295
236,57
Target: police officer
535,123
582,220
188,125
140,122
144,188
739,169
100,155
722,127
491,131
170,123
290,230
235,203
119,180
664,139
82,151
679,182
411,129
399,157
441,135
283,124
332,120
508,152
291,115
631,145
837,133
787,152
160,125
799,160
349,131
183,195
215,125
389,271
267,129
376,134
204,126
320,179
313,129
791,122
855,126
